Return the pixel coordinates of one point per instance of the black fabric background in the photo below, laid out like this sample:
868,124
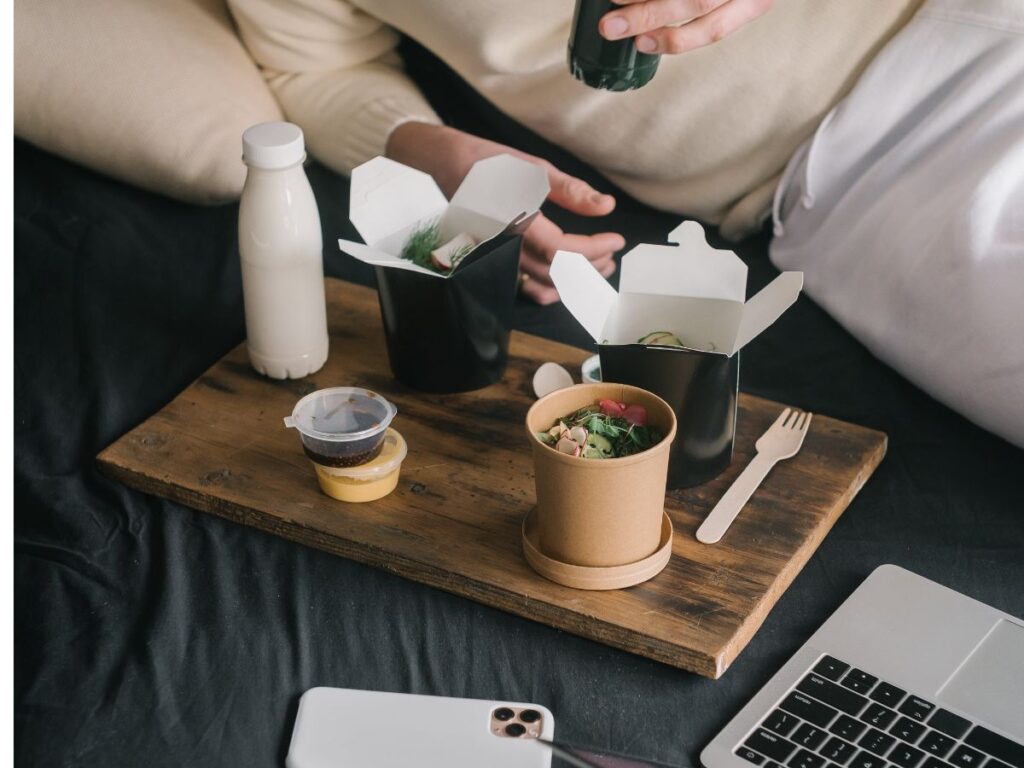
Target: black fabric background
147,634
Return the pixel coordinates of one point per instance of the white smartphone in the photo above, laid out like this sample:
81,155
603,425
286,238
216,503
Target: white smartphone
345,728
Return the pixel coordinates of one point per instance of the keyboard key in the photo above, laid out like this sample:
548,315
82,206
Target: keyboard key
805,707
772,764
867,760
831,668
770,744
934,762
877,742
998,746
887,694
878,716
859,681
905,756
937,744
842,699
837,750
809,736
749,755
950,724
907,729
780,722
965,757
805,759
916,708
993,763
847,727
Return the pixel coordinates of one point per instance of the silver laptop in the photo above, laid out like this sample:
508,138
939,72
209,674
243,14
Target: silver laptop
906,674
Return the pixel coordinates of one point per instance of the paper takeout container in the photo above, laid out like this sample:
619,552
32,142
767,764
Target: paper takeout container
696,292
446,332
598,513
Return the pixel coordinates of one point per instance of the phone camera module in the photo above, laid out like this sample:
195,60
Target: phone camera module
529,715
515,729
503,714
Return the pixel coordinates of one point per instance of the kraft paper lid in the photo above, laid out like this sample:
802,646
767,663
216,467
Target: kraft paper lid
595,577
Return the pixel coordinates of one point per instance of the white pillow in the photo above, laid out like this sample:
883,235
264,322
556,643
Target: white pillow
156,93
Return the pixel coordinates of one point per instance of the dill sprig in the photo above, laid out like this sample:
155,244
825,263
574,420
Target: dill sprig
420,243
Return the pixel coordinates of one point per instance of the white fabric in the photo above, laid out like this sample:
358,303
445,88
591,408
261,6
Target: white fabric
906,210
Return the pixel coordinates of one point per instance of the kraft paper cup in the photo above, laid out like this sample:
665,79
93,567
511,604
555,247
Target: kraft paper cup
599,512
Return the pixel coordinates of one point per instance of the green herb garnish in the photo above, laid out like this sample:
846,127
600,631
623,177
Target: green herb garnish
420,243
604,431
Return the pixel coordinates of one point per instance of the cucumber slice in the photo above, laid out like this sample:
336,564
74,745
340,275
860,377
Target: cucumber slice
661,339
600,445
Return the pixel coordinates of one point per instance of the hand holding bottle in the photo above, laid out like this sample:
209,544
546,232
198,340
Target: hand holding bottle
677,26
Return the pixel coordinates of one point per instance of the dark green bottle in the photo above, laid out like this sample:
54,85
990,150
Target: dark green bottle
612,65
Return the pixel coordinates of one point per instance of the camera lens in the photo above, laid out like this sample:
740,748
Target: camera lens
529,715
503,714
515,729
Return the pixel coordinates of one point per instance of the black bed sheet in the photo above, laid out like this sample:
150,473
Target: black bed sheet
148,634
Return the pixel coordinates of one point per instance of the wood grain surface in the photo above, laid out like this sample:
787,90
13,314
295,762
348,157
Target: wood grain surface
454,521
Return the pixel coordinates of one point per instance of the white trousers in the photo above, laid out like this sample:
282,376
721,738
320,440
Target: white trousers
905,211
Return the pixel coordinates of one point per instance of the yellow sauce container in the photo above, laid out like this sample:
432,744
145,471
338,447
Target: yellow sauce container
366,482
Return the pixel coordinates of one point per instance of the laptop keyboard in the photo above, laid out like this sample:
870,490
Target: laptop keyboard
842,717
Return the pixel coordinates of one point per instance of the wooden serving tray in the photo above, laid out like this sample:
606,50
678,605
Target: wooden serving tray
454,521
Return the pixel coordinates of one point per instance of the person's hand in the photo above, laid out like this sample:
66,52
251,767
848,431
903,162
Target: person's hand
447,154
676,26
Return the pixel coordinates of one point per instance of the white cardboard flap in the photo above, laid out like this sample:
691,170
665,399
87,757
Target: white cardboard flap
766,307
587,295
386,196
691,268
670,270
503,188
379,258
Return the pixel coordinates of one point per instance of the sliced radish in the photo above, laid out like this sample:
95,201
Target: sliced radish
568,446
636,414
578,435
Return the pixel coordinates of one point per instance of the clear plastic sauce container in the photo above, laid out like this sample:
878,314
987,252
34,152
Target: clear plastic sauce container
366,482
342,426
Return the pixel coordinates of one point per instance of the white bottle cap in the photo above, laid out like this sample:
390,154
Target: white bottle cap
273,145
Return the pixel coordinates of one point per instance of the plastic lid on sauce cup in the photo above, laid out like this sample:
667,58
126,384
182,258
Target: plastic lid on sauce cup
341,420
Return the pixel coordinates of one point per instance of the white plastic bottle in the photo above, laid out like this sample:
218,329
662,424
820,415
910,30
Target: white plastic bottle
282,261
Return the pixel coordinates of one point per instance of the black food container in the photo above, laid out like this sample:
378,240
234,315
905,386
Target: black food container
703,390
450,334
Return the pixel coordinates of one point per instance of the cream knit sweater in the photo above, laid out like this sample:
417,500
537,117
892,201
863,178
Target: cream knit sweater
708,137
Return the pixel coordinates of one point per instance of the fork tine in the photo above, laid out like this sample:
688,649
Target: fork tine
781,421
791,421
805,421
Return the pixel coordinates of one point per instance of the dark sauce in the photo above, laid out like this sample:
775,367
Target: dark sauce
348,460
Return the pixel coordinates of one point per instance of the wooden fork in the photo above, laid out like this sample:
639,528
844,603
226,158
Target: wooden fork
782,441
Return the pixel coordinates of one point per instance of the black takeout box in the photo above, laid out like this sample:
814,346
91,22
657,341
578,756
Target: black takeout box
451,335
703,390
696,293
446,332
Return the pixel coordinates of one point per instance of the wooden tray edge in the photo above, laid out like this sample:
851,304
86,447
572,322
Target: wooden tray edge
741,639
417,571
